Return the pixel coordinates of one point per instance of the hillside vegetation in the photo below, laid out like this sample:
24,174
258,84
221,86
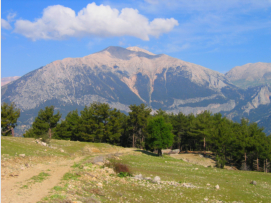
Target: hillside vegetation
243,144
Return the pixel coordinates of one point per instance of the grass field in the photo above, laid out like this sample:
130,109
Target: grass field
12,147
90,183
87,182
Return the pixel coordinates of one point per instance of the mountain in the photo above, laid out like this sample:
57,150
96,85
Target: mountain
256,79
7,80
250,75
122,77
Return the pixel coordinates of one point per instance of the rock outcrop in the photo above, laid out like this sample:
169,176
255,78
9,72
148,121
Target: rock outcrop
122,77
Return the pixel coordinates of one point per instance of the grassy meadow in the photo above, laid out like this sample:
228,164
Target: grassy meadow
87,182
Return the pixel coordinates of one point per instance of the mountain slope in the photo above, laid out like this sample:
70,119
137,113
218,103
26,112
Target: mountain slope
7,80
250,75
122,77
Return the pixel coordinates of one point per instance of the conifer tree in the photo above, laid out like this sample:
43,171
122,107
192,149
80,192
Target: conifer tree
202,127
159,134
180,126
45,122
69,128
114,127
9,116
62,131
138,123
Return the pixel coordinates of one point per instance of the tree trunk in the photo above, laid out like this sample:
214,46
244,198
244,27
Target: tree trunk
12,131
50,133
204,145
245,161
257,164
133,140
159,152
267,165
180,139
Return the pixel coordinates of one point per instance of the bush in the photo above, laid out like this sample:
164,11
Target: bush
121,169
123,174
45,138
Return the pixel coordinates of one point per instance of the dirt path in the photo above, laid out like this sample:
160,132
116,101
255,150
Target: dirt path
11,188
11,191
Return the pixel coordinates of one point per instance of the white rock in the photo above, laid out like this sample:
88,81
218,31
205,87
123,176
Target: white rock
206,199
22,155
139,177
44,144
217,187
157,179
100,185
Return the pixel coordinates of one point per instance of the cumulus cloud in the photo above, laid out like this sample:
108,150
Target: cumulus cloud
59,22
5,24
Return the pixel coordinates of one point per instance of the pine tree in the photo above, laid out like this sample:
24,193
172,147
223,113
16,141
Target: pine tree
159,134
62,131
9,116
221,138
73,121
138,123
202,128
114,127
87,129
44,122
180,126
94,122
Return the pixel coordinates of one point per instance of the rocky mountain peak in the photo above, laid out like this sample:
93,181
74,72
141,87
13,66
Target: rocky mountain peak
251,74
137,49
123,76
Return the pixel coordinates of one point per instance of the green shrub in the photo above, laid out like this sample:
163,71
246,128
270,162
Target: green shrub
124,174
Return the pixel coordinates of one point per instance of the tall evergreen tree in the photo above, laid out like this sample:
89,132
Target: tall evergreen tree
159,134
180,126
114,127
203,128
138,123
9,116
44,122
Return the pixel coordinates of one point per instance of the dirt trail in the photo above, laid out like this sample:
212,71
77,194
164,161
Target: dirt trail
11,190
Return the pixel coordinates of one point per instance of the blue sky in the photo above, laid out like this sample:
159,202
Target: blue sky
215,34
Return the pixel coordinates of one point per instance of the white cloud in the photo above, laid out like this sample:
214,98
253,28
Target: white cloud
59,22
5,24
11,16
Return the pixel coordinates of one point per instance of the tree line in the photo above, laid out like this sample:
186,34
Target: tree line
243,144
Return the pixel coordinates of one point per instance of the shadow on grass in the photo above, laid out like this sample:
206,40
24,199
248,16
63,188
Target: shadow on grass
146,152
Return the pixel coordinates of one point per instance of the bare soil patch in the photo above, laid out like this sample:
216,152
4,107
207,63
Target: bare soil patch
16,173
12,187
195,158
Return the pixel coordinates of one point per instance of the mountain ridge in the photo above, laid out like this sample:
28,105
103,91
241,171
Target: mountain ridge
121,77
